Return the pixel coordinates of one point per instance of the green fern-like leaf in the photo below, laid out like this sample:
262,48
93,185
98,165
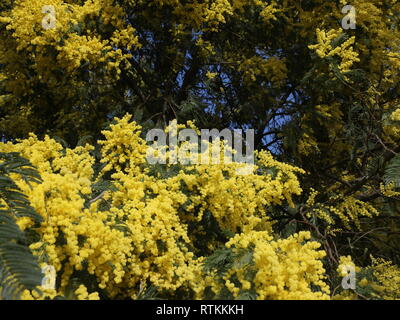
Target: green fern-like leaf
19,269
392,172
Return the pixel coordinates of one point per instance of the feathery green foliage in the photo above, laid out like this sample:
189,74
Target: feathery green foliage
19,269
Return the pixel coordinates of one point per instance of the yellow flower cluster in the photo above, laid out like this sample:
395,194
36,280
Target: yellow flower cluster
391,126
285,269
380,280
349,210
311,198
273,69
24,223
307,144
345,295
389,190
346,262
82,294
236,201
120,246
268,12
345,51
72,39
205,47
209,15
211,75
388,278
77,49
123,149
141,231
395,116
35,295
